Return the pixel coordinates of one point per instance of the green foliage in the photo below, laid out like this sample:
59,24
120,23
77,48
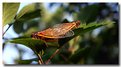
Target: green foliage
29,61
89,13
26,14
81,30
85,28
58,15
38,45
34,44
9,12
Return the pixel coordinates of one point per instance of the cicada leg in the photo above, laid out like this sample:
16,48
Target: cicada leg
45,43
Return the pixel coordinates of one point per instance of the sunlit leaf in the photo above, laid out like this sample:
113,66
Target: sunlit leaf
28,12
9,12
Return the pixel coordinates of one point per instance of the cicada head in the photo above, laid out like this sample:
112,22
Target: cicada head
34,35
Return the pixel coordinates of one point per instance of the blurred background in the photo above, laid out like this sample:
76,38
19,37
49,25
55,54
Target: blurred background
103,42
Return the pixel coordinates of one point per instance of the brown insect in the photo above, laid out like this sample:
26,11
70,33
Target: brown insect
57,31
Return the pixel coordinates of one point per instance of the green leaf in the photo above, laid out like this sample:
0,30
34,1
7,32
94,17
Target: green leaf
29,12
9,12
18,27
26,15
35,44
28,61
83,29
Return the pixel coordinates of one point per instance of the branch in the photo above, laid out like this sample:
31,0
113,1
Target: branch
52,56
7,28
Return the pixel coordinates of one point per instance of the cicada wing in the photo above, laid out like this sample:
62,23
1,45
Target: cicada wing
64,25
68,34
58,26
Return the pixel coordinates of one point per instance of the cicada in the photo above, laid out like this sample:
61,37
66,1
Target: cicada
57,31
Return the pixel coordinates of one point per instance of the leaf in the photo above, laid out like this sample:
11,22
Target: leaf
38,45
84,52
28,61
83,29
28,12
35,44
18,27
9,12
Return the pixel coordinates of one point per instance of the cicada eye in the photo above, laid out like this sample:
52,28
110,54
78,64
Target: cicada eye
33,34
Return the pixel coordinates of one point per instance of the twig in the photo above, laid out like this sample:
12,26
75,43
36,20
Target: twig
40,61
7,29
63,57
52,56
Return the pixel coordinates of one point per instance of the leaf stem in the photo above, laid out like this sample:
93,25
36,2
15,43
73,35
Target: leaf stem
7,29
40,61
52,56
